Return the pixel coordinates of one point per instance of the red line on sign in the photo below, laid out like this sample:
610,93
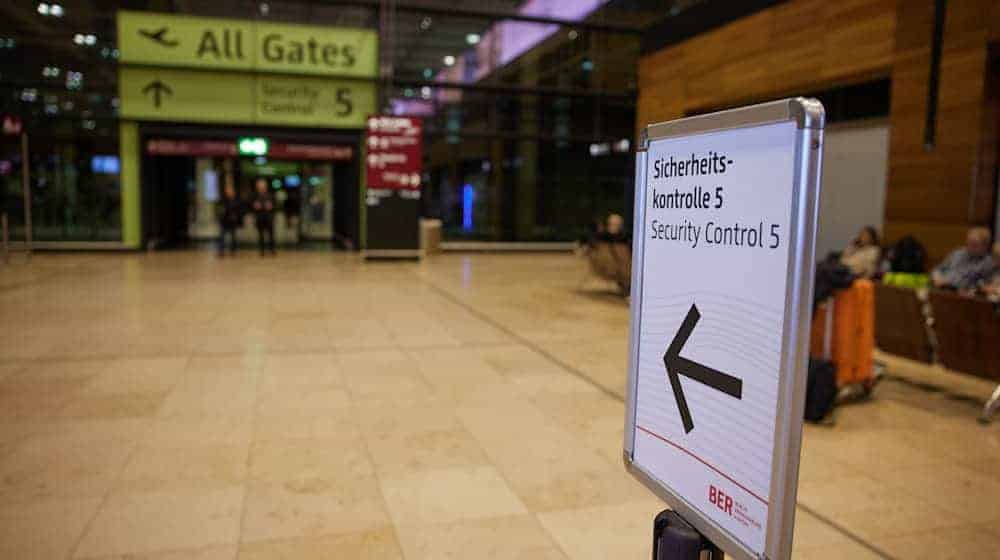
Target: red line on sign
703,462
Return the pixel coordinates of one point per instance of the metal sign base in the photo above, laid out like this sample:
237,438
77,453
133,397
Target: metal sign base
676,539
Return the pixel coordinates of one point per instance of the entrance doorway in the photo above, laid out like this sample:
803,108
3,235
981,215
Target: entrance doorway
315,187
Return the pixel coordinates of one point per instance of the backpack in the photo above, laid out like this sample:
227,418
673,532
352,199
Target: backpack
908,255
821,390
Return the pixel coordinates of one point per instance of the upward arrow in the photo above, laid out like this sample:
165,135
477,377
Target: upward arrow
677,366
157,88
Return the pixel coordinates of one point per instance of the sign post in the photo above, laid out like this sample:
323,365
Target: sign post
26,188
393,168
725,222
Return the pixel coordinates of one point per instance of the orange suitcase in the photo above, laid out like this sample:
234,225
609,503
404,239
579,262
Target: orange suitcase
847,335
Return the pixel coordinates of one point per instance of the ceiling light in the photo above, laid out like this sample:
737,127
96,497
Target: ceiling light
428,73
51,72
587,65
74,80
472,38
425,92
572,34
264,8
425,23
51,109
29,95
408,92
47,9
89,124
449,60
90,39
78,38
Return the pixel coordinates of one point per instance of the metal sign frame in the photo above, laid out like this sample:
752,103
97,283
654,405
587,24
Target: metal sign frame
809,117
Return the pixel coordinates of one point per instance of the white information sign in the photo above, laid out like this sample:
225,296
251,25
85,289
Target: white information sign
723,255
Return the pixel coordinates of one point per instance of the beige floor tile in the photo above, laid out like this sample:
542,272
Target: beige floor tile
908,518
72,461
500,538
311,507
620,531
162,469
970,542
343,374
209,398
844,494
44,529
839,551
23,397
153,522
379,544
112,406
330,462
225,552
330,423
448,495
227,430
399,454
547,384
811,532
138,376
8,369
407,418
951,487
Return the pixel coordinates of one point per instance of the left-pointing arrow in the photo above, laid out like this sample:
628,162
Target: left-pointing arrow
677,366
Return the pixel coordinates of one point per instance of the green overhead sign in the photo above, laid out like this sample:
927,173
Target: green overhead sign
252,146
157,39
165,94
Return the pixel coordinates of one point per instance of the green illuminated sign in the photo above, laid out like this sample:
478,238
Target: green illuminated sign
252,146
165,94
158,39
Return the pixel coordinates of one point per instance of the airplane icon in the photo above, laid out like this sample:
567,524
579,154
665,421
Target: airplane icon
158,37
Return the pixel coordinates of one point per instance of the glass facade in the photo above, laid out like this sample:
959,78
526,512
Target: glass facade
529,112
531,147
75,185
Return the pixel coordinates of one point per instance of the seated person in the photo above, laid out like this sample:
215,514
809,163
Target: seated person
991,288
863,253
967,267
614,229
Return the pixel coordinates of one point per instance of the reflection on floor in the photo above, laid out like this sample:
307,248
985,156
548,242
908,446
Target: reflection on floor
314,406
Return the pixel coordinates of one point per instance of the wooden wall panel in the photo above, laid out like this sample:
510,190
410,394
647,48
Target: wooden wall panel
796,46
805,45
932,191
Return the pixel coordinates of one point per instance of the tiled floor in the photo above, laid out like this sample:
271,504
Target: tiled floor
174,406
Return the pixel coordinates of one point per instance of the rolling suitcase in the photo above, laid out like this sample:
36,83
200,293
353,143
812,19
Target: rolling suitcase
843,331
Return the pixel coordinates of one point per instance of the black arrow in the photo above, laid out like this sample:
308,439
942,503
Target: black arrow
677,366
158,36
158,88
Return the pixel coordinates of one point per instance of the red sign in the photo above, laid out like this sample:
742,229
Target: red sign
310,151
395,152
210,148
227,148
12,125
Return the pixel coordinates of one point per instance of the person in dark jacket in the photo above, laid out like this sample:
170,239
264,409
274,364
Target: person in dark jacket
230,217
263,209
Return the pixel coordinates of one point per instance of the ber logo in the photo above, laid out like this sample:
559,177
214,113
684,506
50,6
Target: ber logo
720,500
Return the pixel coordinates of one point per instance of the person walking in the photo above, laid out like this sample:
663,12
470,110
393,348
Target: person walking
230,217
263,209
